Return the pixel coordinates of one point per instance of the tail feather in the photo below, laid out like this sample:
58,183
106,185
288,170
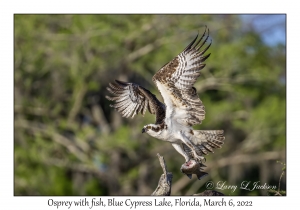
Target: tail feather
203,149
208,147
215,145
207,140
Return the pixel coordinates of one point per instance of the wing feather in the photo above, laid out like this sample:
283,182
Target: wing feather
176,79
131,99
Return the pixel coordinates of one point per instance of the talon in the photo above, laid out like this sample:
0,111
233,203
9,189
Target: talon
198,158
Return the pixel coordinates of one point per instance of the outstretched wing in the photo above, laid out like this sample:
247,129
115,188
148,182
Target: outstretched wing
176,79
131,99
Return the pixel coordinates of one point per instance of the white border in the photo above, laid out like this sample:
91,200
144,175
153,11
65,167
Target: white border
8,8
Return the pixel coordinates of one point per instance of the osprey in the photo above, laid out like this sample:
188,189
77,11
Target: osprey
182,108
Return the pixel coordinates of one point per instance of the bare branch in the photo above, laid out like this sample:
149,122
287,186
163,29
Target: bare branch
165,181
209,193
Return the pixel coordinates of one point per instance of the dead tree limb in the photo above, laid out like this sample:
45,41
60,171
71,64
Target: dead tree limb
165,181
209,193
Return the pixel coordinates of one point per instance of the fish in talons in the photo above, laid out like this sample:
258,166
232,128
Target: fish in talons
193,167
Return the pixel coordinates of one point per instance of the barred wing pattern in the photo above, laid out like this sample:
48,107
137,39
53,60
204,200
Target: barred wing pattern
175,81
205,141
131,99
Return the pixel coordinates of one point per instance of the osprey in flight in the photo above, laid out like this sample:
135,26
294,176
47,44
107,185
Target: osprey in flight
182,108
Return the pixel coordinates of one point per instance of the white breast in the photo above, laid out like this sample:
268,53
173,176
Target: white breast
174,126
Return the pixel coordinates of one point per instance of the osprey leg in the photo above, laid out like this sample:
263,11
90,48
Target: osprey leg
188,143
180,150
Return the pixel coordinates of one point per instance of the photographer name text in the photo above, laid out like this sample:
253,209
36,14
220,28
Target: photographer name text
245,185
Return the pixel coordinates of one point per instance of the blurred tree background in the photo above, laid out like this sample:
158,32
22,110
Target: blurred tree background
68,141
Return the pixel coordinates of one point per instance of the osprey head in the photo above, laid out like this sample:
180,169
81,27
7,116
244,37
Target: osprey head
147,128
153,129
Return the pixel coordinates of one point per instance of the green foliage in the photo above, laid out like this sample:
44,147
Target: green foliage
68,141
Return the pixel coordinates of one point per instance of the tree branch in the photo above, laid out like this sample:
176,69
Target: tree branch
165,181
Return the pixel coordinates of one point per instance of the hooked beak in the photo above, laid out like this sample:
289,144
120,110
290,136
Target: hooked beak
143,130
